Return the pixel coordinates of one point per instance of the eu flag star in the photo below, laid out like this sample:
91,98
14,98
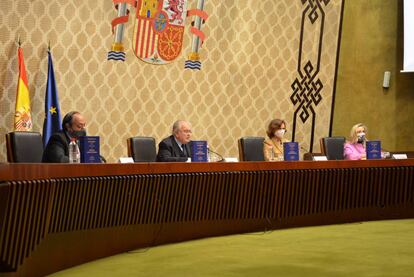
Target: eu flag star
52,110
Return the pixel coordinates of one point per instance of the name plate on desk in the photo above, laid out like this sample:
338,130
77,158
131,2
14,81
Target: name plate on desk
373,149
291,151
320,158
89,149
231,160
126,160
399,156
199,151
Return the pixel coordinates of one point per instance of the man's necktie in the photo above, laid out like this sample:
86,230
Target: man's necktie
184,150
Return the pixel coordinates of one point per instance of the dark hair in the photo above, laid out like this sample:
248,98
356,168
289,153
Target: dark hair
273,126
68,119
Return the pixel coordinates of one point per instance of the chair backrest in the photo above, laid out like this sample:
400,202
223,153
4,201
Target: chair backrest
251,149
24,147
333,147
142,149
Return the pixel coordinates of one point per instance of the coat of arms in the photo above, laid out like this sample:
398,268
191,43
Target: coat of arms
158,30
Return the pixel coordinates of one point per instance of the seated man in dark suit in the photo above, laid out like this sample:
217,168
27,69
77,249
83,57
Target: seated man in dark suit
57,148
176,148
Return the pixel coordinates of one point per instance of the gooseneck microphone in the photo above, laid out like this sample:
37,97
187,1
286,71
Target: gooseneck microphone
217,157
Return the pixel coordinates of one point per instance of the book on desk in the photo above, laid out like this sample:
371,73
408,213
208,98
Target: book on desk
291,151
373,149
89,149
199,151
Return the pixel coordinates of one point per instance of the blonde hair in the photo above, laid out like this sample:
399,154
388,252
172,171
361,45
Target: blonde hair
353,136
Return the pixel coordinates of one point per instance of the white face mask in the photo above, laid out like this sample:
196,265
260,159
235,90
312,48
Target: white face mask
361,137
280,133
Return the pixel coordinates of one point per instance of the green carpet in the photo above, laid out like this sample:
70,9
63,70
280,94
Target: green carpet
379,248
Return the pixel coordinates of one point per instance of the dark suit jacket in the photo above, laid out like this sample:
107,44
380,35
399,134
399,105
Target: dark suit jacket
57,149
169,151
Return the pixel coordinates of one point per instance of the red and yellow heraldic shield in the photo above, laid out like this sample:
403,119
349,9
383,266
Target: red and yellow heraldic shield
159,30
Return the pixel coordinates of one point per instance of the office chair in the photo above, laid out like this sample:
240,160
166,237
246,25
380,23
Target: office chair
142,149
251,149
24,147
333,147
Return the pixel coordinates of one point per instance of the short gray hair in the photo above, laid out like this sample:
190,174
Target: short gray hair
177,125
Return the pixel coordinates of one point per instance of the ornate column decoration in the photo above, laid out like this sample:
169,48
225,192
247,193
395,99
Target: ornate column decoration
307,87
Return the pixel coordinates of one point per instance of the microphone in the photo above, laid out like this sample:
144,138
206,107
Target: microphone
102,158
214,156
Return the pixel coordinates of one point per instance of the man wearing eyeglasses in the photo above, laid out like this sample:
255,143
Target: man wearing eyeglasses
176,148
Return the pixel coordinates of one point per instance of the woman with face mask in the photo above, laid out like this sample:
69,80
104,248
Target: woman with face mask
354,148
273,145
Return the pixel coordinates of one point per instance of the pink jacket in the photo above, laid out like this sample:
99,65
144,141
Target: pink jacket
354,151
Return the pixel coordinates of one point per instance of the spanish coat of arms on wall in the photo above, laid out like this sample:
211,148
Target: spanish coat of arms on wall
159,27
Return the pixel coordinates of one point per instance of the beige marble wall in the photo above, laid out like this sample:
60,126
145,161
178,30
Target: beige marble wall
249,61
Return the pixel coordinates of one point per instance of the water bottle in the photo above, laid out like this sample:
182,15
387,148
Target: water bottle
208,154
74,153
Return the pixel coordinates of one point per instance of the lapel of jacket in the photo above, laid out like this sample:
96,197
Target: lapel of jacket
176,148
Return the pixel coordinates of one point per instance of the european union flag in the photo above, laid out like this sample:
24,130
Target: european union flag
53,120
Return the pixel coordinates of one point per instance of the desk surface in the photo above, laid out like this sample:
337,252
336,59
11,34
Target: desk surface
9,172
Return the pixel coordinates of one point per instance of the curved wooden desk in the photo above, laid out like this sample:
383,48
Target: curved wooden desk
54,216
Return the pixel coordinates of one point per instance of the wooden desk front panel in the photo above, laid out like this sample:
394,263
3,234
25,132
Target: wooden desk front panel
96,216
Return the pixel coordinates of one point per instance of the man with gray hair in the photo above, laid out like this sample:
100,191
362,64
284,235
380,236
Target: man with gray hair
176,148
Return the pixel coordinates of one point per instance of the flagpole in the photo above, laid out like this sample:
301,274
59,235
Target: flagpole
22,116
52,121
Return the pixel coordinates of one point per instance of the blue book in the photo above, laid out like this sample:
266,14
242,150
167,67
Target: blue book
291,151
373,148
89,149
199,152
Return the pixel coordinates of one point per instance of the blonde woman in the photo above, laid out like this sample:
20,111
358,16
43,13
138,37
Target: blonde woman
273,145
354,148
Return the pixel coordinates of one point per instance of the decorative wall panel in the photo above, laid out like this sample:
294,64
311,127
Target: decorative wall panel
250,61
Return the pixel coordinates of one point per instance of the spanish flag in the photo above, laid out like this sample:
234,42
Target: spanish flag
22,117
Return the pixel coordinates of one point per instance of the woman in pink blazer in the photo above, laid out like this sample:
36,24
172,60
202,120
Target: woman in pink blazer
354,148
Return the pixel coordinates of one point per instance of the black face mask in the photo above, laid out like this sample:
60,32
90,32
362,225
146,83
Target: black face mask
76,134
